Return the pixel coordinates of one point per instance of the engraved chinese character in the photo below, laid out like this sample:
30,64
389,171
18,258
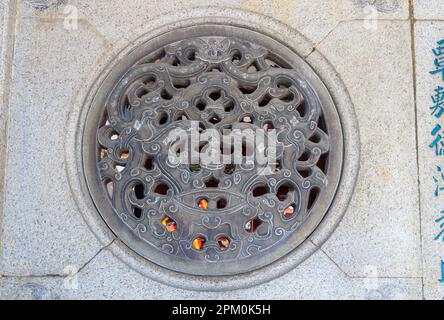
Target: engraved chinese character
439,60
442,271
438,181
438,102
440,221
437,142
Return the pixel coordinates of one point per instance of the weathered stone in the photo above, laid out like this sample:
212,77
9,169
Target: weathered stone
7,22
375,253
43,232
426,35
429,9
381,226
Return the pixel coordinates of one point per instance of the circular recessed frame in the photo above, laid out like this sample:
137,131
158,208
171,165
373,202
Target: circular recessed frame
227,211
83,151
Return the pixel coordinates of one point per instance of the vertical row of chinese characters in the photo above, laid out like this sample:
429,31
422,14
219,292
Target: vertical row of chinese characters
437,143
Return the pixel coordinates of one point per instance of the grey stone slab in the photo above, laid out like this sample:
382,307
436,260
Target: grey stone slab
43,232
27,7
7,21
313,18
373,254
381,228
427,34
106,277
38,288
429,9
316,18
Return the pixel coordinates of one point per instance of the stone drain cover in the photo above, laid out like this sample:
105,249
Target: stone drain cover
212,150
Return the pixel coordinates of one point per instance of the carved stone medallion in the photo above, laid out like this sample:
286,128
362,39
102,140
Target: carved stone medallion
212,218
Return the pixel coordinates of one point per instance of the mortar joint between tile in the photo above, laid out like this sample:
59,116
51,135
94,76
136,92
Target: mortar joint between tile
413,53
7,57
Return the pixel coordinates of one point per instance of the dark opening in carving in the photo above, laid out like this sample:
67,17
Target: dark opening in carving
148,163
214,119
221,203
212,183
137,212
305,156
316,138
200,104
314,193
247,89
215,95
323,163
163,118
139,189
260,191
181,83
166,95
283,192
304,172
265,100
161,188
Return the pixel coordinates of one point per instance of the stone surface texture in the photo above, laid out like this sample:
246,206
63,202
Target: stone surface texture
382,249
429,9
427,33
382,93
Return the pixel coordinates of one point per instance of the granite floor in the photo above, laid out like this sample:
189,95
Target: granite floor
387,246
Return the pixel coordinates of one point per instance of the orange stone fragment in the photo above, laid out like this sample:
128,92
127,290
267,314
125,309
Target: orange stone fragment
169,224
102,153
224,243
288,212
198,243
203,204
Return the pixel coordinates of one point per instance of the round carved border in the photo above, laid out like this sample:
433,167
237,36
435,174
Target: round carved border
292,40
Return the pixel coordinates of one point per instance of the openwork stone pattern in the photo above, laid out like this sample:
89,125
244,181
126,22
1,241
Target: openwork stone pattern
212,219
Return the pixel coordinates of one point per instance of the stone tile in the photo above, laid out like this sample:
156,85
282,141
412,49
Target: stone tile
313,18
381,228
38,288
316,18
429,9
427,34
107,18
43,232
106,277
29,7
7,21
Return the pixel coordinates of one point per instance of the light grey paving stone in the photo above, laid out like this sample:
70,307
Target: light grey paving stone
7,21
313,18
106,277
429,9
427,34
316,18
43,232
381,228
40,6
31,288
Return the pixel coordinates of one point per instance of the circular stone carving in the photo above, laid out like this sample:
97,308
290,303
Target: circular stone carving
212,217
